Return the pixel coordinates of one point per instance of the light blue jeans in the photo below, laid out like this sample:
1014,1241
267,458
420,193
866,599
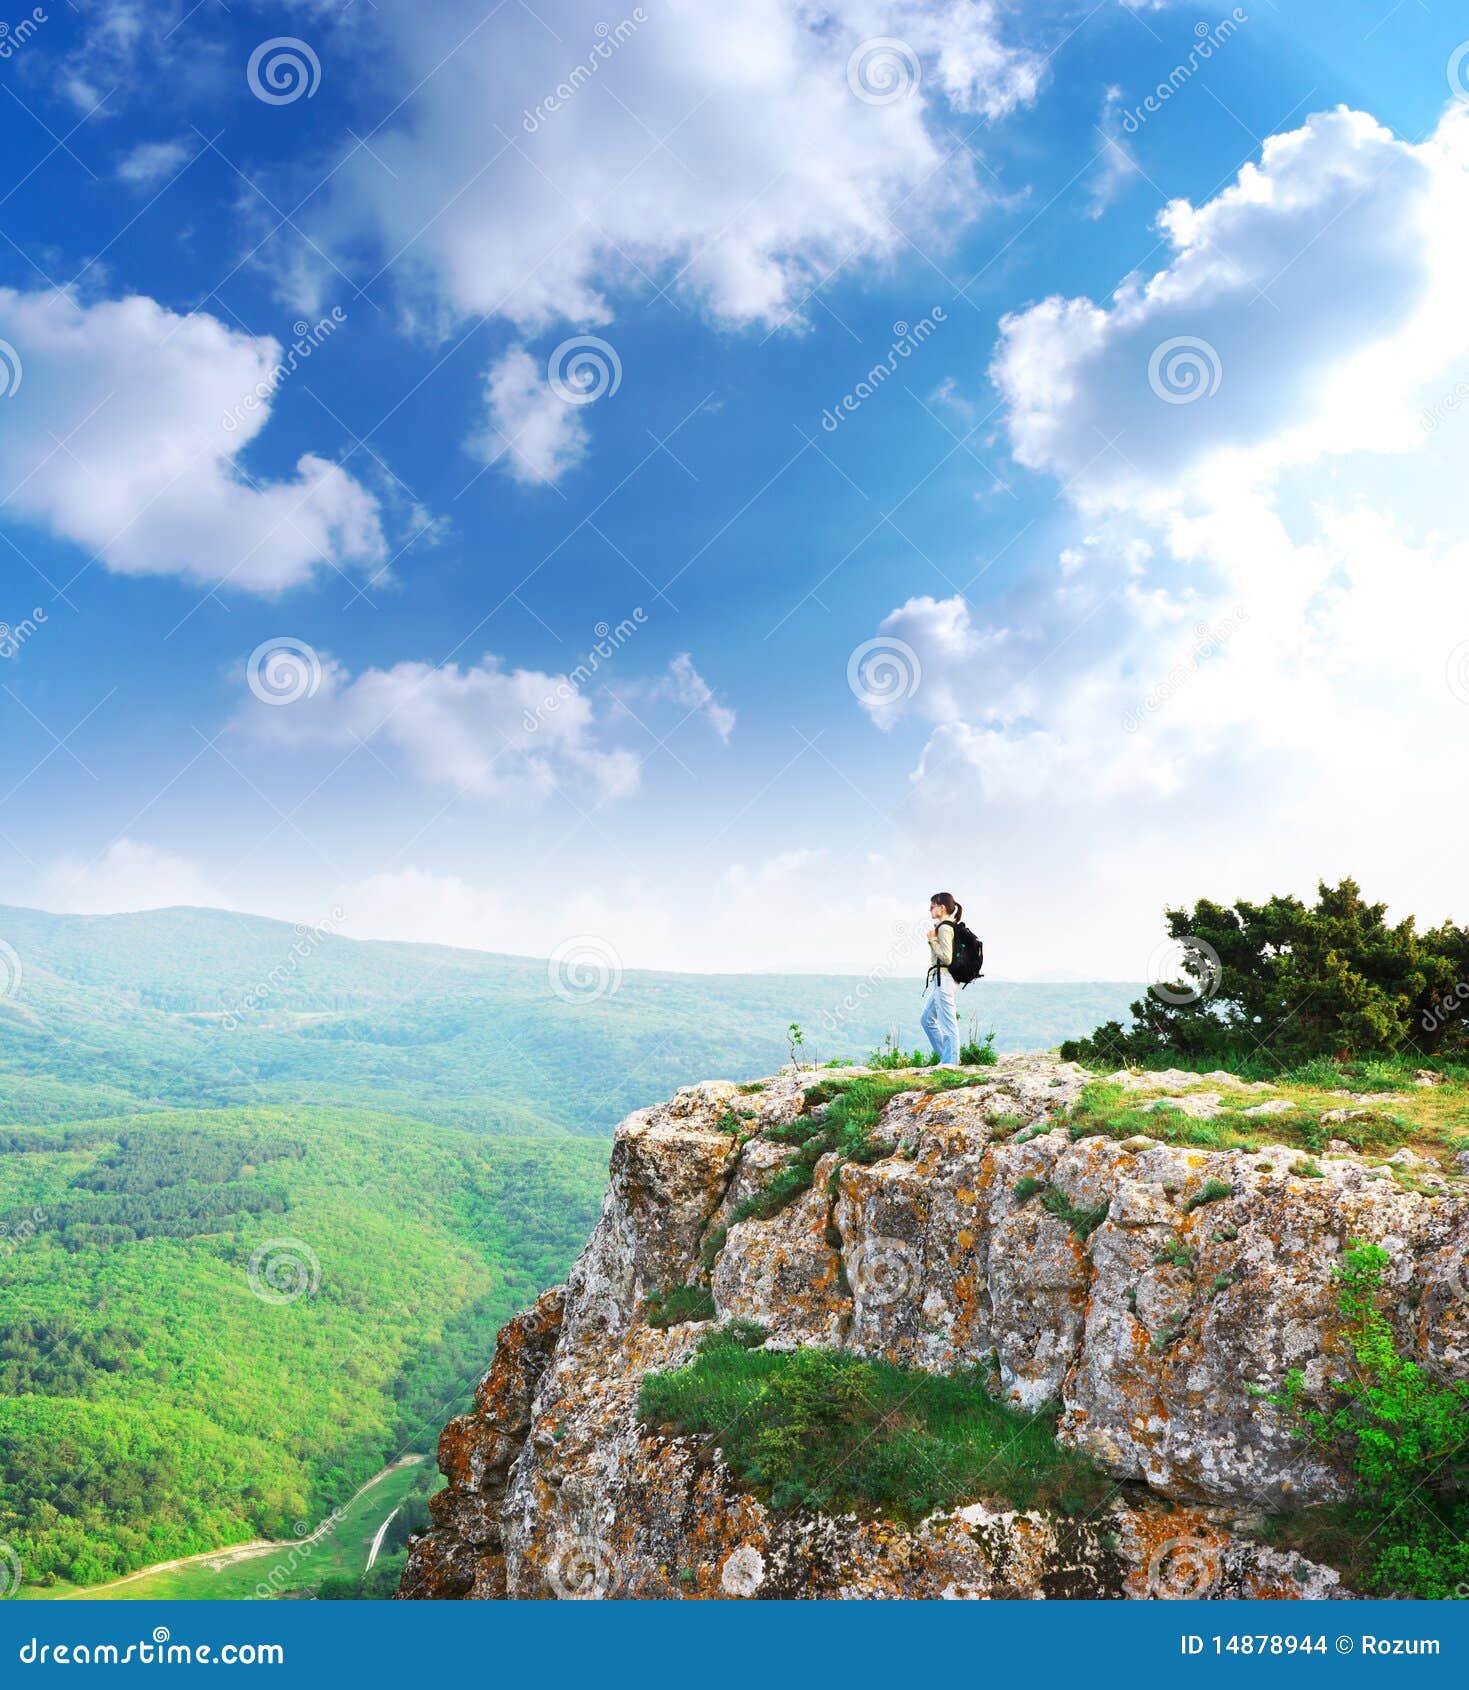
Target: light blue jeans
939,1020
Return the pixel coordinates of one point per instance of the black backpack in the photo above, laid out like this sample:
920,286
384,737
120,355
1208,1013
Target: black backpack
968,963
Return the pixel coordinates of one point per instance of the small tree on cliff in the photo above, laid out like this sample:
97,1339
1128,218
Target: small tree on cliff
1286,981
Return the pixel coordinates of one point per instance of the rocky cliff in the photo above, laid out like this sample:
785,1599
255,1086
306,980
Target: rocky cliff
1197,1279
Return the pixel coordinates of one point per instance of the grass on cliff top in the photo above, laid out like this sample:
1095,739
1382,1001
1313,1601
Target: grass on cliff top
974,1052
1382,1072
822,1429
837,1115
1432,1120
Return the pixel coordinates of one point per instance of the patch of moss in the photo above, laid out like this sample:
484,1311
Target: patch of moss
823,1429
678,1305
1081,1218
1083,1221
710,1246
839,1116
1211,1191
1168,1334
1006,1126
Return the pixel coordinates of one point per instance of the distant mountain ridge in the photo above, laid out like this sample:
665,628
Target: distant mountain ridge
190,1008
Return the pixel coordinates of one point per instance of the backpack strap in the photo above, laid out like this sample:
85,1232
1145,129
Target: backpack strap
934,969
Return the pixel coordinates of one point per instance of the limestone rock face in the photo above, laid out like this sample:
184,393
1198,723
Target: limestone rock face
1175,1287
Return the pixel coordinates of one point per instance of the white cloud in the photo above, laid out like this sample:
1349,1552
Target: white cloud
756,917
151,161
1239,668
694,693
481,729
1256,277
717,150
438,909
684,687
122,47
1117,166
127,434
948,395
535,433
129,875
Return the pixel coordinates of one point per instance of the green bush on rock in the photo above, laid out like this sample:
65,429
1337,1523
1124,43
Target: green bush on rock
823,1429
1405,1436
1281,982
680,1304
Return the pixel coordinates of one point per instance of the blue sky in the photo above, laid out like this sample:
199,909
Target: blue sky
1134,646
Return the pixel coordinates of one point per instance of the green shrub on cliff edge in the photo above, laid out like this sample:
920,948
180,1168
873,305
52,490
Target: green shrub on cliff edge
1283,982
823,1429
1406,1437
679,1304
975,1052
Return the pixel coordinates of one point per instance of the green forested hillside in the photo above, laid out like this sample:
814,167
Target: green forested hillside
161,1395
201,1008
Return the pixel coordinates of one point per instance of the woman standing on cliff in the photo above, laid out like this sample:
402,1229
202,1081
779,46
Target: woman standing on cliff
938,1016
